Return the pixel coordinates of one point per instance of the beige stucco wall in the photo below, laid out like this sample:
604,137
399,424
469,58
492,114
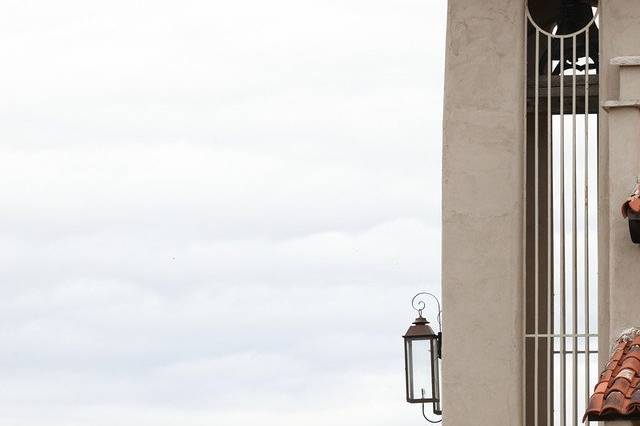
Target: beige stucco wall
619,148
619,158
483,213
483,203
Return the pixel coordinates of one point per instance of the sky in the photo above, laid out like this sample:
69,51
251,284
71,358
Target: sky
216,213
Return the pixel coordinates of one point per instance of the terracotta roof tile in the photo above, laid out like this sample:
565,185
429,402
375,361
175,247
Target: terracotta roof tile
617,394
601,387
621,385
614,402
631,363
606,375
626,373
595,403
615,357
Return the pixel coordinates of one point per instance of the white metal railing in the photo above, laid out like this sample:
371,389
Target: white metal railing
568,337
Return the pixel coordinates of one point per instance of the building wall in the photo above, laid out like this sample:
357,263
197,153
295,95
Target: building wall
483,168
619,163
483,206
620,260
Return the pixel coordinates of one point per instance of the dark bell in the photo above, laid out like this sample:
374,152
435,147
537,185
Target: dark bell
571,16
574,16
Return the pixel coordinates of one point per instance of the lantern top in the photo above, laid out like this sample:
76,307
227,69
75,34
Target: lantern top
419,328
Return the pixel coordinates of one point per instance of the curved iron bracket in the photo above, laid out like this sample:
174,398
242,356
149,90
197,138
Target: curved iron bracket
424,414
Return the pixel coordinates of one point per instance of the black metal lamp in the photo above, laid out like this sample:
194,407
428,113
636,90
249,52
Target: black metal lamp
422,354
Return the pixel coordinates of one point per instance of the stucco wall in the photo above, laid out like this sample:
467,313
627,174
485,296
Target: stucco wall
483,212
619,149
620,23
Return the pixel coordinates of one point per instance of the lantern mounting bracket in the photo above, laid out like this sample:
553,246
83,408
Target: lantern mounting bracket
418,304
425,414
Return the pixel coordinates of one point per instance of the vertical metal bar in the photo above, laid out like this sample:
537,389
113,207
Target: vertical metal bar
435,366
434,372
574,238
563,360
553,261
524,222
536,227
549,329
586,219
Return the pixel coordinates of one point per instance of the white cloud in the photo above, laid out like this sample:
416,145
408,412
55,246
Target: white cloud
215,213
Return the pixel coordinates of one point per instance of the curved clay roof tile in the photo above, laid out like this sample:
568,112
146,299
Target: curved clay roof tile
617,394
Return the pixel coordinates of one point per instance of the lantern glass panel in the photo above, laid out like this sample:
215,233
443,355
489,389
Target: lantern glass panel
419,367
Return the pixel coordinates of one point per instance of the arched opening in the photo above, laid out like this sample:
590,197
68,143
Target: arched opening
560,295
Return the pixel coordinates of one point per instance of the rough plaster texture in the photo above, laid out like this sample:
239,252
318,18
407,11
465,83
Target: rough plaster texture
620,29
625,60
630,81
624,260
622,103
483,160
619,163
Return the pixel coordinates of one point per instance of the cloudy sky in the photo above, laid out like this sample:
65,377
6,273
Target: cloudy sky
215,213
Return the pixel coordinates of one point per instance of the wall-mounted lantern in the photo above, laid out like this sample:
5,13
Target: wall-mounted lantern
422,354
